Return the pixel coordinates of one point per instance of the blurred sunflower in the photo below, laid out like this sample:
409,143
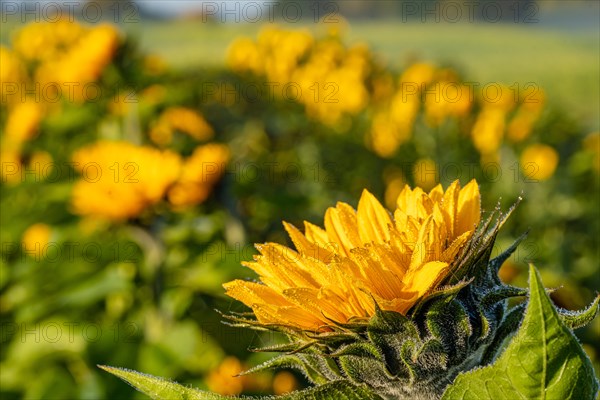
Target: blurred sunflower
120,179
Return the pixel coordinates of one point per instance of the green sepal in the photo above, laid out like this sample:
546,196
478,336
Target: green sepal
475,256
292,347
409,365
291,362
500,293
361,349
445,292
431,356
497,262
449,323
333,339
389,330
508,326
325,365
365,370
577,319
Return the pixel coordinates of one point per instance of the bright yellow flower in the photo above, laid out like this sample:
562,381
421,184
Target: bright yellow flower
360,257
324,75
23,121
120,179
81,63
243,54
499,97
93,52
199,174
12,73
11,169
385,136
488,131
450,99
529,112
539,161
36,238
393,176
43,163
418,74
46,40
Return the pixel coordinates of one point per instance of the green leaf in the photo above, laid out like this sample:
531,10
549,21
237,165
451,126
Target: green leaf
292,362
543,361
159,388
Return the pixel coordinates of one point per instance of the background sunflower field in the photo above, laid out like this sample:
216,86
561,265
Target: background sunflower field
145,148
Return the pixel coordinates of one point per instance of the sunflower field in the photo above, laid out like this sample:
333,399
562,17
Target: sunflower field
133,189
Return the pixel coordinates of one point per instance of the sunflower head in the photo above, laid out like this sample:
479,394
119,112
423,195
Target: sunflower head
362,258
400,302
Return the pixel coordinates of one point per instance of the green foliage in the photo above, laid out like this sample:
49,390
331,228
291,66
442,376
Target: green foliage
544,360
161,389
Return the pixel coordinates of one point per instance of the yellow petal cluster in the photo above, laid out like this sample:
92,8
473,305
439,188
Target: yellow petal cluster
83,62
449,99
393,124
539,161
119,179
12,73
323,74
42,41
199,173
361,256
59,58
23,121
493,124
36,238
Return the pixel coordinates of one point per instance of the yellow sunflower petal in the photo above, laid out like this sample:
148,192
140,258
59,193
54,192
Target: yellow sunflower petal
251,293
469,208
423,280
373,220
449,205
341,227
305,246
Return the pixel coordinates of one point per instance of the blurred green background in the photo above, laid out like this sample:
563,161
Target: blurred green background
126,268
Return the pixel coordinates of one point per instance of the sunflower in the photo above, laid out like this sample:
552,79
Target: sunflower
362,258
